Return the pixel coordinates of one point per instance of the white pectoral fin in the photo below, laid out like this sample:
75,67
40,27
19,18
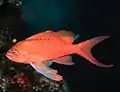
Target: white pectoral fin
48,63
46,71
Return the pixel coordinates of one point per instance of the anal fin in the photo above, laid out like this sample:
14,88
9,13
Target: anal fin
66,60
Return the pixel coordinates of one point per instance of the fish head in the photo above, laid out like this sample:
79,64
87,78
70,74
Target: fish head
18,54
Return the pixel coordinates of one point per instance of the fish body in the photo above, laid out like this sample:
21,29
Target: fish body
41,47
51,46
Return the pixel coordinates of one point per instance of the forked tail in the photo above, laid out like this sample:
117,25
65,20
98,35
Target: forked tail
84,50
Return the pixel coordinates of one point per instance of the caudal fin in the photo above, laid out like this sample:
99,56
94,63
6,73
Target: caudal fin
85,50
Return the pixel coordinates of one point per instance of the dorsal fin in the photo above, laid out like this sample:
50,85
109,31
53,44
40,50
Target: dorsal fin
37,36
49,31
68,36
65,35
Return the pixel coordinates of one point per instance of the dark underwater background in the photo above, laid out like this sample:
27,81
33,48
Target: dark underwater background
88,18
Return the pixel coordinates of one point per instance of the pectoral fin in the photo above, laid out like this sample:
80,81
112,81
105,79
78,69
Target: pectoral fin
46,71
48,63
66,60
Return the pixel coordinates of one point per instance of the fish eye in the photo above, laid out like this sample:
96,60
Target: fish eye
14,52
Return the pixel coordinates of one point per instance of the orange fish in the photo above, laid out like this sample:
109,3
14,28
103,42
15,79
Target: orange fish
42,49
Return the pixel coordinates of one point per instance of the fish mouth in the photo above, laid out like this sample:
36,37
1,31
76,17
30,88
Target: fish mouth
9,56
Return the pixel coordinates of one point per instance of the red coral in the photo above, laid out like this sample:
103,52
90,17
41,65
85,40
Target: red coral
18,79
